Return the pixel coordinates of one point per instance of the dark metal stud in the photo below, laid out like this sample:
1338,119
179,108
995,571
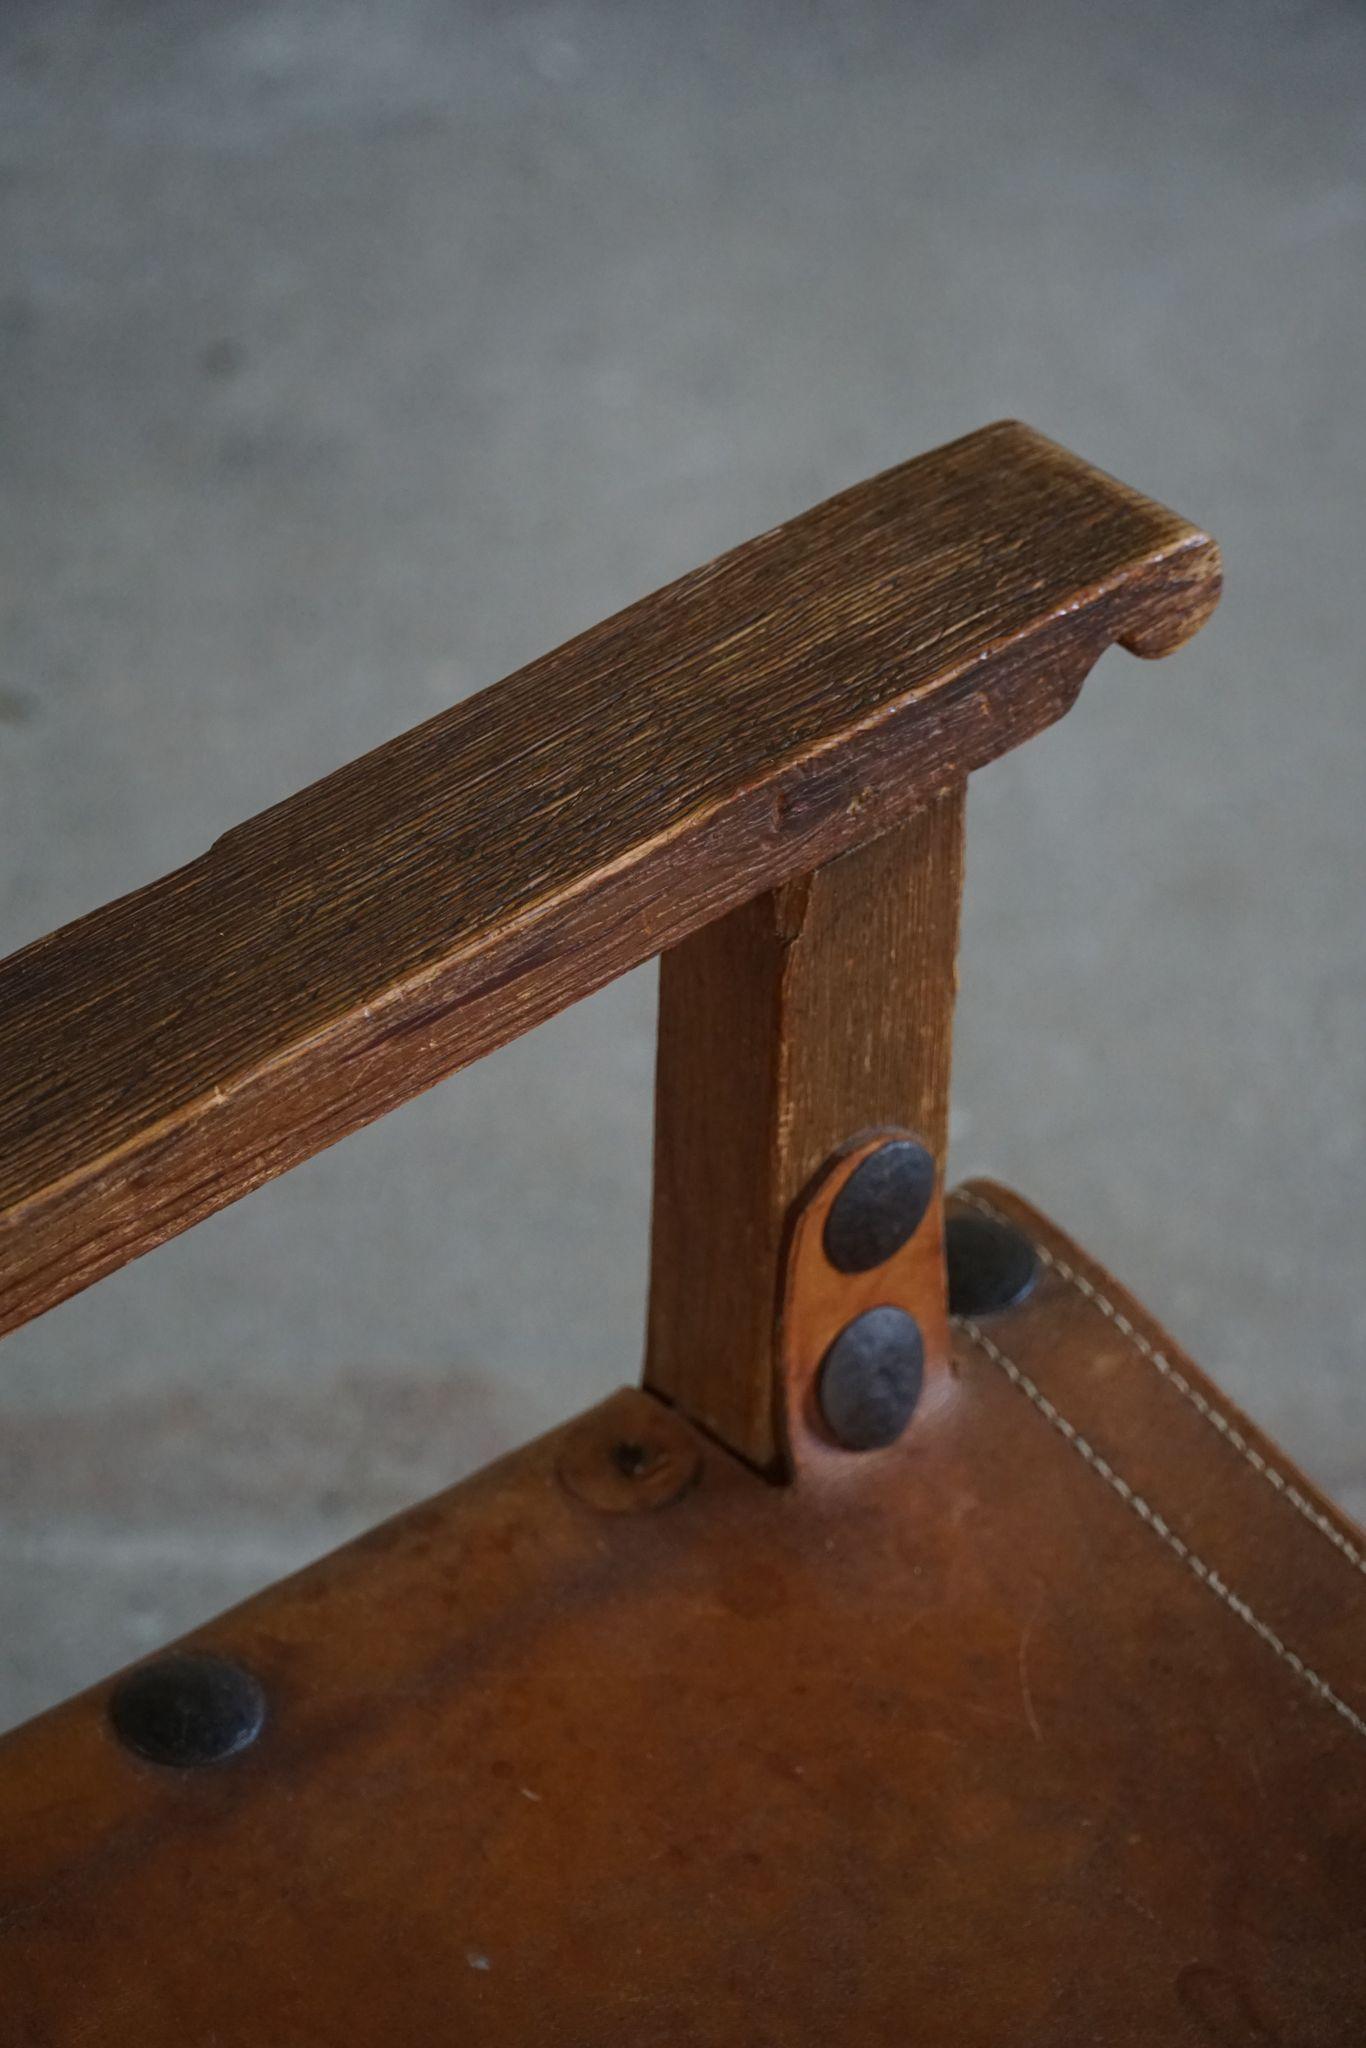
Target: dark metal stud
187,1709
991,1265
880,1206
870,1379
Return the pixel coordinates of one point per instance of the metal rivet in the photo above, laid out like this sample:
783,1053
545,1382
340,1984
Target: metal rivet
870,1379
187,1709
991,1265
880,1206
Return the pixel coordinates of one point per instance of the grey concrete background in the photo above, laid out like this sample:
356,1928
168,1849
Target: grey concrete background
355,354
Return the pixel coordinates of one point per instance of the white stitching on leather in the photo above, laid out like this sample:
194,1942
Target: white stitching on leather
1204,1572
1176,1378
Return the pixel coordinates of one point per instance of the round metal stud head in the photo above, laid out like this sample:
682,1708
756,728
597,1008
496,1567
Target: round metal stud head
991,1265
880,1206
187,1709
870,1379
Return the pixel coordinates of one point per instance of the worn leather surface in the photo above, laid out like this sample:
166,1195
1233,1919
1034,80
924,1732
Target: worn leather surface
1047,1726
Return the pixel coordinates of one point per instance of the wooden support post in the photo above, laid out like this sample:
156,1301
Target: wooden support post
817,1010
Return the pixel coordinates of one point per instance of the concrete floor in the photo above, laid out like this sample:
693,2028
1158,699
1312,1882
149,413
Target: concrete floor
355,354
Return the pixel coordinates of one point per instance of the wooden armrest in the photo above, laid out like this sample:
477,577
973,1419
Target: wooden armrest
357,943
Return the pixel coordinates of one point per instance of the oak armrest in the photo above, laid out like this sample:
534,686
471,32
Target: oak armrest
355,944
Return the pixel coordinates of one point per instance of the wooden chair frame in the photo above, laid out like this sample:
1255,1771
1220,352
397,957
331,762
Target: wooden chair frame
839,1675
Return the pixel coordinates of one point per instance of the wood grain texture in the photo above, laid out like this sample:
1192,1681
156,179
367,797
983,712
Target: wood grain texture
357,943
820,1009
